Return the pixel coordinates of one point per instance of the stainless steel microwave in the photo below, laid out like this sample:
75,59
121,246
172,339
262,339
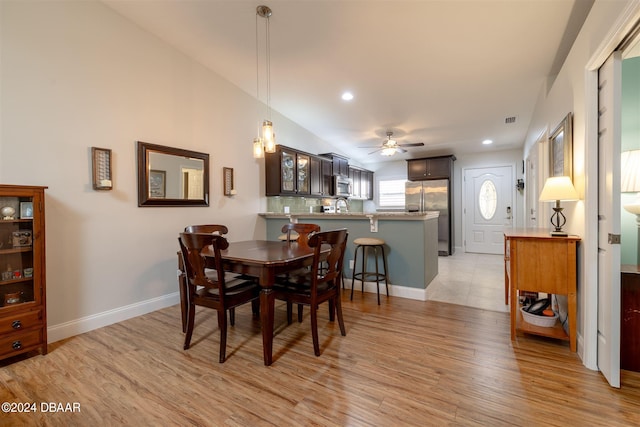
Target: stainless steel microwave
342,186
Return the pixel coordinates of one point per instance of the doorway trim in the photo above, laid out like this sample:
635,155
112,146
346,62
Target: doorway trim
588,341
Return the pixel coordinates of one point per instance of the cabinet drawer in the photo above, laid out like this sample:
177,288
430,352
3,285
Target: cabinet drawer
20,342
20,321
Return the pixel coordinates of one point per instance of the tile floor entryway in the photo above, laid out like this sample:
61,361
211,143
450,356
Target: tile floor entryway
474,280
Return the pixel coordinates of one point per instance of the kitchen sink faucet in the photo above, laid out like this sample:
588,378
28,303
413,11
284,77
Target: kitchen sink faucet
345,202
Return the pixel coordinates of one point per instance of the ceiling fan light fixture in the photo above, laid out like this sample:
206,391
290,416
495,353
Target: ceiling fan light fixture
388,151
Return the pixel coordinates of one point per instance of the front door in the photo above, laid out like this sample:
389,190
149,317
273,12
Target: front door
488,208
609,131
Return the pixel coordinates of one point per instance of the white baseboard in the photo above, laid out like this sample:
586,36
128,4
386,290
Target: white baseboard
394,290
95,321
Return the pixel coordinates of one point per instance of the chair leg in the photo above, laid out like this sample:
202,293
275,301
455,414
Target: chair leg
386,271
364,265
190,323
255,307
222,321
232,316
332,310
375,254
289,313
314,329
184,300
338,309
300,312
353,273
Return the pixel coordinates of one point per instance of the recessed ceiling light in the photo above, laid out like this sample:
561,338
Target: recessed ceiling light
347,96
487,142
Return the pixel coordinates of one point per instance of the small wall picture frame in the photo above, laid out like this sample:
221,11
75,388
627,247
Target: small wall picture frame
26,210
101,158
157,184
561,149
227,179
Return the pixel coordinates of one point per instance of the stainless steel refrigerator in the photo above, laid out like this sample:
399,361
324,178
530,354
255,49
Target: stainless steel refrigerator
434,195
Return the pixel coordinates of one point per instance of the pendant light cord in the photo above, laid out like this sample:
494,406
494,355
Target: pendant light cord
268,50
257,70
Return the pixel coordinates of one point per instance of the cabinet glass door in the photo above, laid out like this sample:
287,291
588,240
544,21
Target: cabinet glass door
303,174
16,251
288,181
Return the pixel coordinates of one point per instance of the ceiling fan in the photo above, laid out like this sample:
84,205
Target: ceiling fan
391,146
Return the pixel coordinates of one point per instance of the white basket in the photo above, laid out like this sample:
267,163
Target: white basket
537,320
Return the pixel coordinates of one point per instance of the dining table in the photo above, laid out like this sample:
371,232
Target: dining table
266,259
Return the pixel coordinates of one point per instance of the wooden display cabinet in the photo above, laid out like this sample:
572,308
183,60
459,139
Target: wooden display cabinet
538,262
23,315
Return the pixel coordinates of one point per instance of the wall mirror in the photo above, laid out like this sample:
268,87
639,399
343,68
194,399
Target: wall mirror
170,176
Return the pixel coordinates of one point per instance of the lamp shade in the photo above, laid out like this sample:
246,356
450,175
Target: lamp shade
630,171
558,188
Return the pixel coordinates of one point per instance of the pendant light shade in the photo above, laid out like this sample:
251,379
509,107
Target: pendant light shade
258,152
268,137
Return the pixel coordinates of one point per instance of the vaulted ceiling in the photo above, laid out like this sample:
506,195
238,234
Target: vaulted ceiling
446,73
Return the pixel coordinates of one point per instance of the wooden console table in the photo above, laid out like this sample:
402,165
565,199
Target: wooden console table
537,262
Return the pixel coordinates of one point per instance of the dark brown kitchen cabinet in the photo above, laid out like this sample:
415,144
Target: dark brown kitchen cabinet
366,185
23,308
321,176
440,167
362,183
355,175
287,172
340,164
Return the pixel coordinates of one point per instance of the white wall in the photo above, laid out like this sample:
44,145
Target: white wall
75,75
570,92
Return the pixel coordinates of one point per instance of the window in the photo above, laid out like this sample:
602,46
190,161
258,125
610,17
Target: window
391,193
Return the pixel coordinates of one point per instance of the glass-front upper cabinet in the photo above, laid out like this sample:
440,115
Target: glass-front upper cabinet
287,172
304,163
22,270
288,167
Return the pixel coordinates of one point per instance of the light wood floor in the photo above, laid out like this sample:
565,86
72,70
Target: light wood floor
402,363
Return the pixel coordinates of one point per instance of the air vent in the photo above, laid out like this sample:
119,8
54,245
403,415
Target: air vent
510,120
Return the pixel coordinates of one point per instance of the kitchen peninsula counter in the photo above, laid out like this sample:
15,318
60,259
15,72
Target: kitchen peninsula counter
411,243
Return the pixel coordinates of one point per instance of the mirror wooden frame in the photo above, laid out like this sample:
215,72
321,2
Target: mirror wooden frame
144,149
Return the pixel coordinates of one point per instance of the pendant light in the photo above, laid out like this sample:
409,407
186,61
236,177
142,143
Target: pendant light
266,142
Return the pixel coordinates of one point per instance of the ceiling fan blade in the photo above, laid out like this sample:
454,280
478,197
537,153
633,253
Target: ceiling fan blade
414,144
401,150
379,149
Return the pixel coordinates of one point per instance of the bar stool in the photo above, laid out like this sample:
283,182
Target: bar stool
363,243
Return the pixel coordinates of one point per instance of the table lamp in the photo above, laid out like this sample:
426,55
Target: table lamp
630,183
555,189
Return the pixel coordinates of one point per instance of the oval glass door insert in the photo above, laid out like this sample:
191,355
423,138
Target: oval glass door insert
488,199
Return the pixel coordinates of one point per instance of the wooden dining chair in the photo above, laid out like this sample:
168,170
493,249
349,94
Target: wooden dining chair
218,294
299,233
182,276
318,285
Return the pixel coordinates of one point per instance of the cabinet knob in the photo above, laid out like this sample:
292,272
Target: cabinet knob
16,324
16,345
